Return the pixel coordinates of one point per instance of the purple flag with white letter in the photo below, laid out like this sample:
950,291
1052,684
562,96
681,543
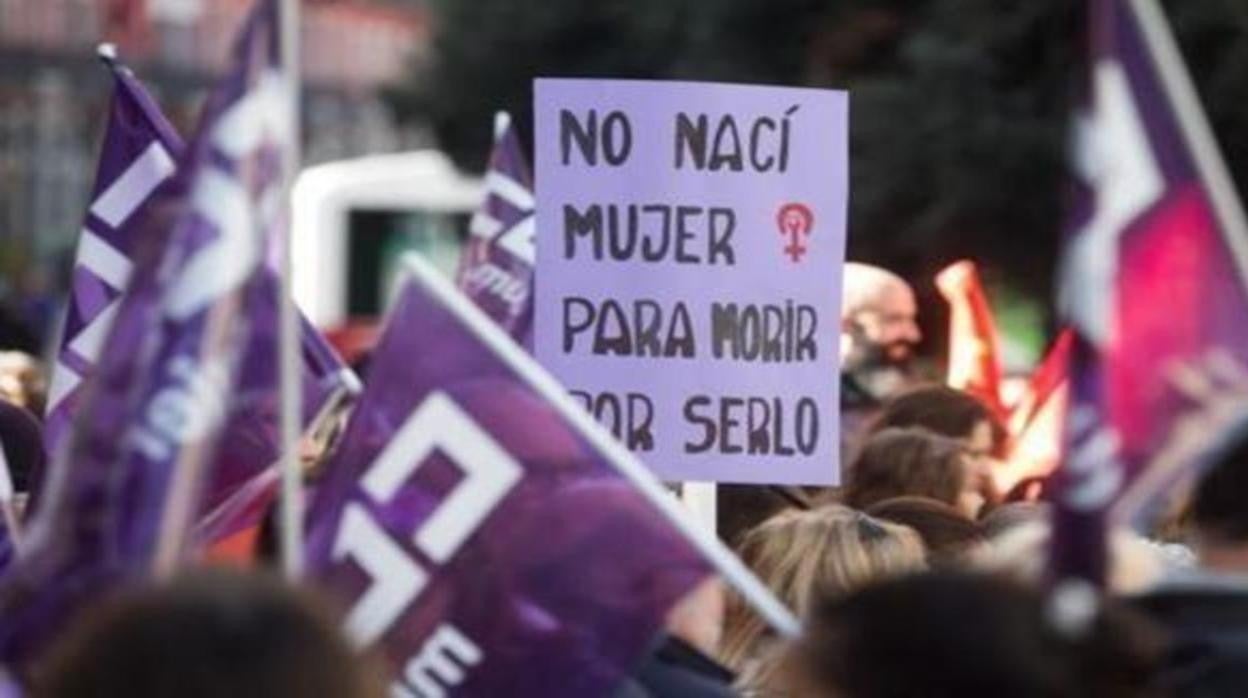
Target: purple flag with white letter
139,154
484,533
1153,280
146,431
140,147
496,270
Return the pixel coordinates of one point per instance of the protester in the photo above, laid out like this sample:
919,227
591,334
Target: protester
957,415
879,333
914,462
948,534
948,412
807,555
22,381
207,635
956,634
1205,609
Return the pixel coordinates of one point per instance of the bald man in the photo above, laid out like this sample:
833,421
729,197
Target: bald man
879,333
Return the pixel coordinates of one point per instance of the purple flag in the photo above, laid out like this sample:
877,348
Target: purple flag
140,147
1153,279
481,529
138,156
496,270
146,431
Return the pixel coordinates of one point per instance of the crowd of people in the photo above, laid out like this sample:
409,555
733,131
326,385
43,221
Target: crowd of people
917,576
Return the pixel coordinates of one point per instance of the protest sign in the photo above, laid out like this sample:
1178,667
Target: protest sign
690,267
484,532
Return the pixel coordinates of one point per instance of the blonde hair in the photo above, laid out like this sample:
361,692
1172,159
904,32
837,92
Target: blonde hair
805,556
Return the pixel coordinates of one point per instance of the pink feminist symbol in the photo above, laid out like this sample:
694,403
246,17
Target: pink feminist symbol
796,221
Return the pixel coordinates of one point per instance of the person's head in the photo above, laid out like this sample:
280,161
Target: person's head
957,634
211,634
1219,518
879,331
1008,517
948,412
948,533
804,555
901,462
22,382
878,307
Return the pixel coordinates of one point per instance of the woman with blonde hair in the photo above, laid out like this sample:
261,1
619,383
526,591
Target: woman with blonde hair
804,556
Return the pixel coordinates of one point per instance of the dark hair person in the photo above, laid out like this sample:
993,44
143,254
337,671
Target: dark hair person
956,634
948,533
913,462
948,412
212,634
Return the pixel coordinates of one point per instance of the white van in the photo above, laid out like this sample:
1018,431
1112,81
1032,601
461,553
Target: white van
354,219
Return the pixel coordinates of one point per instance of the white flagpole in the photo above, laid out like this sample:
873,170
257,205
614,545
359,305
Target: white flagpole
1196,131
291,398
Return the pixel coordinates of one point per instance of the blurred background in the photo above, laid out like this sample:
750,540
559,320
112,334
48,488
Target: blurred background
959,112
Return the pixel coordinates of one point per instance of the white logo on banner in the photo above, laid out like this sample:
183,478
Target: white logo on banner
114,206
490,473
1114,155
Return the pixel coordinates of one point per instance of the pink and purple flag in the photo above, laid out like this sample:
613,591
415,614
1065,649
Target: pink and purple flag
144,437
485,534
496,269
1153,279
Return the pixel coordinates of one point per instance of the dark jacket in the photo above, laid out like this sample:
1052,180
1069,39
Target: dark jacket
674,669
1206,618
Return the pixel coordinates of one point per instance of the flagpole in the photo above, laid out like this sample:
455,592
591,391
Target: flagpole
291,492
1194,124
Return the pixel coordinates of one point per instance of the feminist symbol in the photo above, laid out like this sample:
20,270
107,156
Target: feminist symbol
795,221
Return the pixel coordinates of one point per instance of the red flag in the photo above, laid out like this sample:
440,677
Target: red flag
974,349
1037,420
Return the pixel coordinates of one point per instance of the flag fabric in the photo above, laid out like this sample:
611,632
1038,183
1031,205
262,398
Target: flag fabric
974,347
139,156
151,416
1153,277
1037,420
482,540
496,269
140,149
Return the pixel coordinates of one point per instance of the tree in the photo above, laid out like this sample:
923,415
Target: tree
959,108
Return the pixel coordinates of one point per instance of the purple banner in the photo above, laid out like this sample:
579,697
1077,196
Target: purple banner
151,416
477,535
140,147
496,270
690,270
138,156
1153,280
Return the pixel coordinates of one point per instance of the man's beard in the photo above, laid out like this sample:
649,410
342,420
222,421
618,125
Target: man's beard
879,370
